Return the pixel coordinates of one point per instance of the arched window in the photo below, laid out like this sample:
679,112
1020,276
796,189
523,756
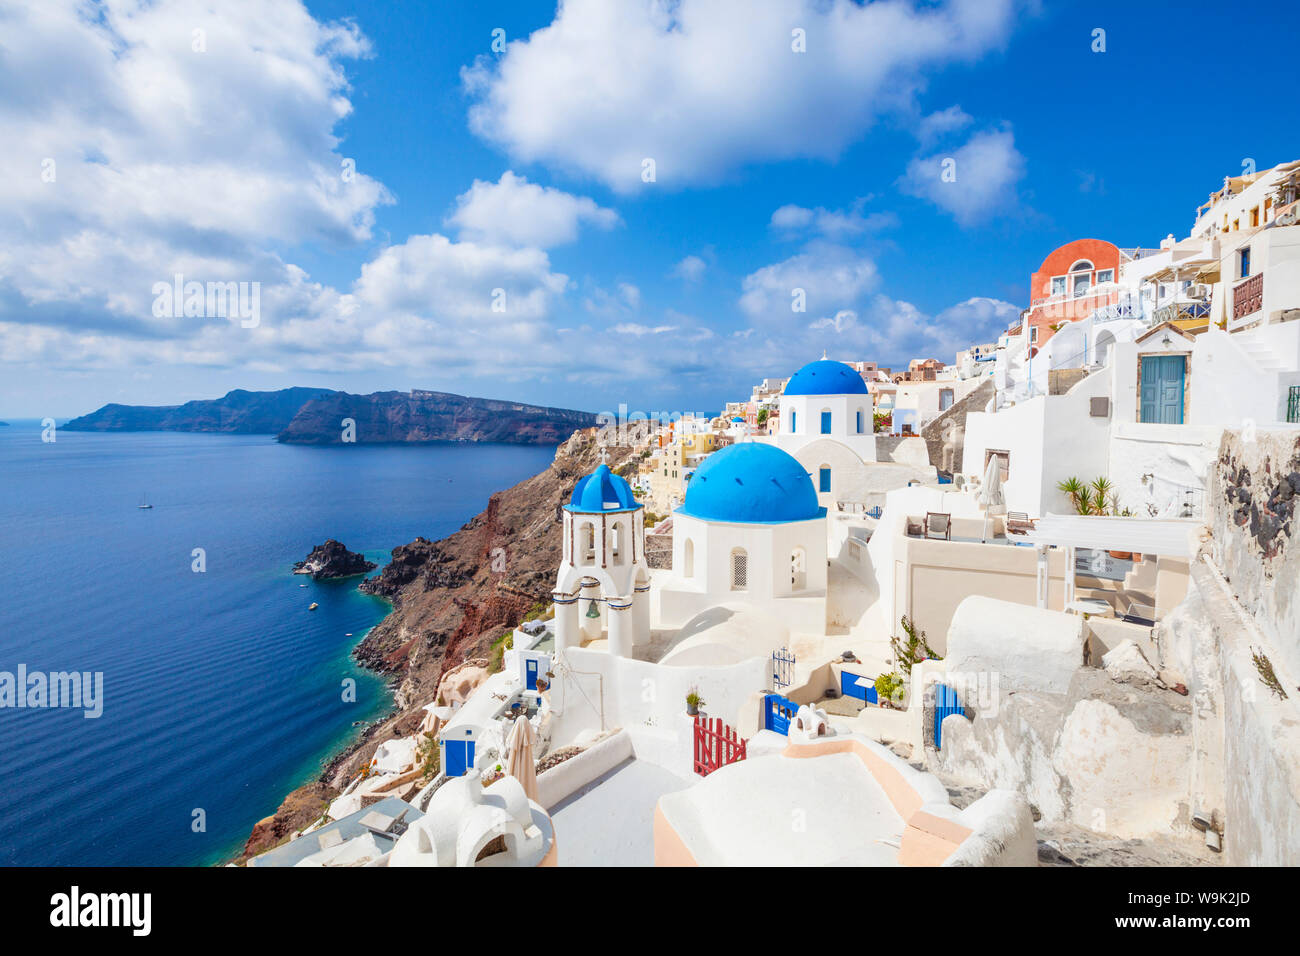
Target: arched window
1083,265
616,542
688,559
826,421
798,570
739,570
824,478
792,422
859,421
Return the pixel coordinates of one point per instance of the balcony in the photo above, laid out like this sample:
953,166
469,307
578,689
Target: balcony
1180,309
1127,307
1247,296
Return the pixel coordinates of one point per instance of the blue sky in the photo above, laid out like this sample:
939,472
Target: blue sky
775,170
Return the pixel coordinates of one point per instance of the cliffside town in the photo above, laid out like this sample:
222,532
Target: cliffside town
451,600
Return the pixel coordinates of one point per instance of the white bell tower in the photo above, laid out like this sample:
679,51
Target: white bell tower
602,587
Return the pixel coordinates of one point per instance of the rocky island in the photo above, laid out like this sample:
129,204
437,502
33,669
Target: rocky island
238,412
321,416
333,560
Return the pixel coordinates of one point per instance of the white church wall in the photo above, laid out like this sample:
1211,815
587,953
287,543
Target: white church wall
640,694
844,409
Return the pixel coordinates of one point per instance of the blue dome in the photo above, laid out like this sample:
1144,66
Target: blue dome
602,490
751,483
826,377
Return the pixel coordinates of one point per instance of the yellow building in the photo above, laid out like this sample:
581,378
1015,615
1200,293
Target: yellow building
671,465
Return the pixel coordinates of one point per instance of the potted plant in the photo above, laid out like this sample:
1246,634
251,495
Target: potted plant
889,691
693,702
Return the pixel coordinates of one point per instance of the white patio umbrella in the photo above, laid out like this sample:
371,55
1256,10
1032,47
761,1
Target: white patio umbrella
519,756
991,495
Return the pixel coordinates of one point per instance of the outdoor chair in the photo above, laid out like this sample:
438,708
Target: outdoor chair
938,525
1019,523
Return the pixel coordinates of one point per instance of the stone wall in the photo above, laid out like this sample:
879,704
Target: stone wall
1061,380
1252,495
936,432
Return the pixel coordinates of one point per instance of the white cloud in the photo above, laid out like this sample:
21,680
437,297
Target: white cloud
633,328
516,212
137,149
703,87
939,124
690,268
831,223
974,183
831,278
624,300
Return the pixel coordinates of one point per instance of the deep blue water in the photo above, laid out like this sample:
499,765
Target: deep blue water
222,692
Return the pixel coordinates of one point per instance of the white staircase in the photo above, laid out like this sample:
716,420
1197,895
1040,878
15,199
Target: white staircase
1263,355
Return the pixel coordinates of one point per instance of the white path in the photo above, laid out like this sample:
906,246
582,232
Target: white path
610,822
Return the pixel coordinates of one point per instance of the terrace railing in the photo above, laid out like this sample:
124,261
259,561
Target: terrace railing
1248,296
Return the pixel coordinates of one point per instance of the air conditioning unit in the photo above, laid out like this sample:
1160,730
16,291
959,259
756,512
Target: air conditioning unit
1099,407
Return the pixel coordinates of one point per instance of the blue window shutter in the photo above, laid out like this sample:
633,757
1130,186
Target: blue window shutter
826,423
824,480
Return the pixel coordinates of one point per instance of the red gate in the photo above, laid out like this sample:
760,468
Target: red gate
716,745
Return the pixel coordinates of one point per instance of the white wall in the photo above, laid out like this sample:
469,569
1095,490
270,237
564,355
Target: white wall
1175,456
1229,387
1050,438
639,694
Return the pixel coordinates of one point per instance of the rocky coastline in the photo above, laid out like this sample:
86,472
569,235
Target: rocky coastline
450,600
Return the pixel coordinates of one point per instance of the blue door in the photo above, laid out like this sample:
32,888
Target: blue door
459,757
946,702
1162,389
826,423
824,480
850,687
530,673
777,713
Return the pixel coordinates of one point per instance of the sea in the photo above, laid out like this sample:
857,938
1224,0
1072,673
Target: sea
221,690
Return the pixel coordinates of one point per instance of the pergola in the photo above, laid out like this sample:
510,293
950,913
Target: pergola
1171,537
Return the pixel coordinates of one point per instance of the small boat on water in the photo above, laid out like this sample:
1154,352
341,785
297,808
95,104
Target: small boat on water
144,504
313,607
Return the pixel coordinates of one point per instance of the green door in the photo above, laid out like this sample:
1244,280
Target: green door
1162,389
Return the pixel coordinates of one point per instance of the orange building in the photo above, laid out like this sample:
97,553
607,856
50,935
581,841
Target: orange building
1073,281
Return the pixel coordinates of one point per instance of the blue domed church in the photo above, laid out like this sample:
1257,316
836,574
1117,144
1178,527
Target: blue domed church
826,423
750,531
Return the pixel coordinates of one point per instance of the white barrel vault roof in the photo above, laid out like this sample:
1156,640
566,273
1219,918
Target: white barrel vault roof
1166,536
